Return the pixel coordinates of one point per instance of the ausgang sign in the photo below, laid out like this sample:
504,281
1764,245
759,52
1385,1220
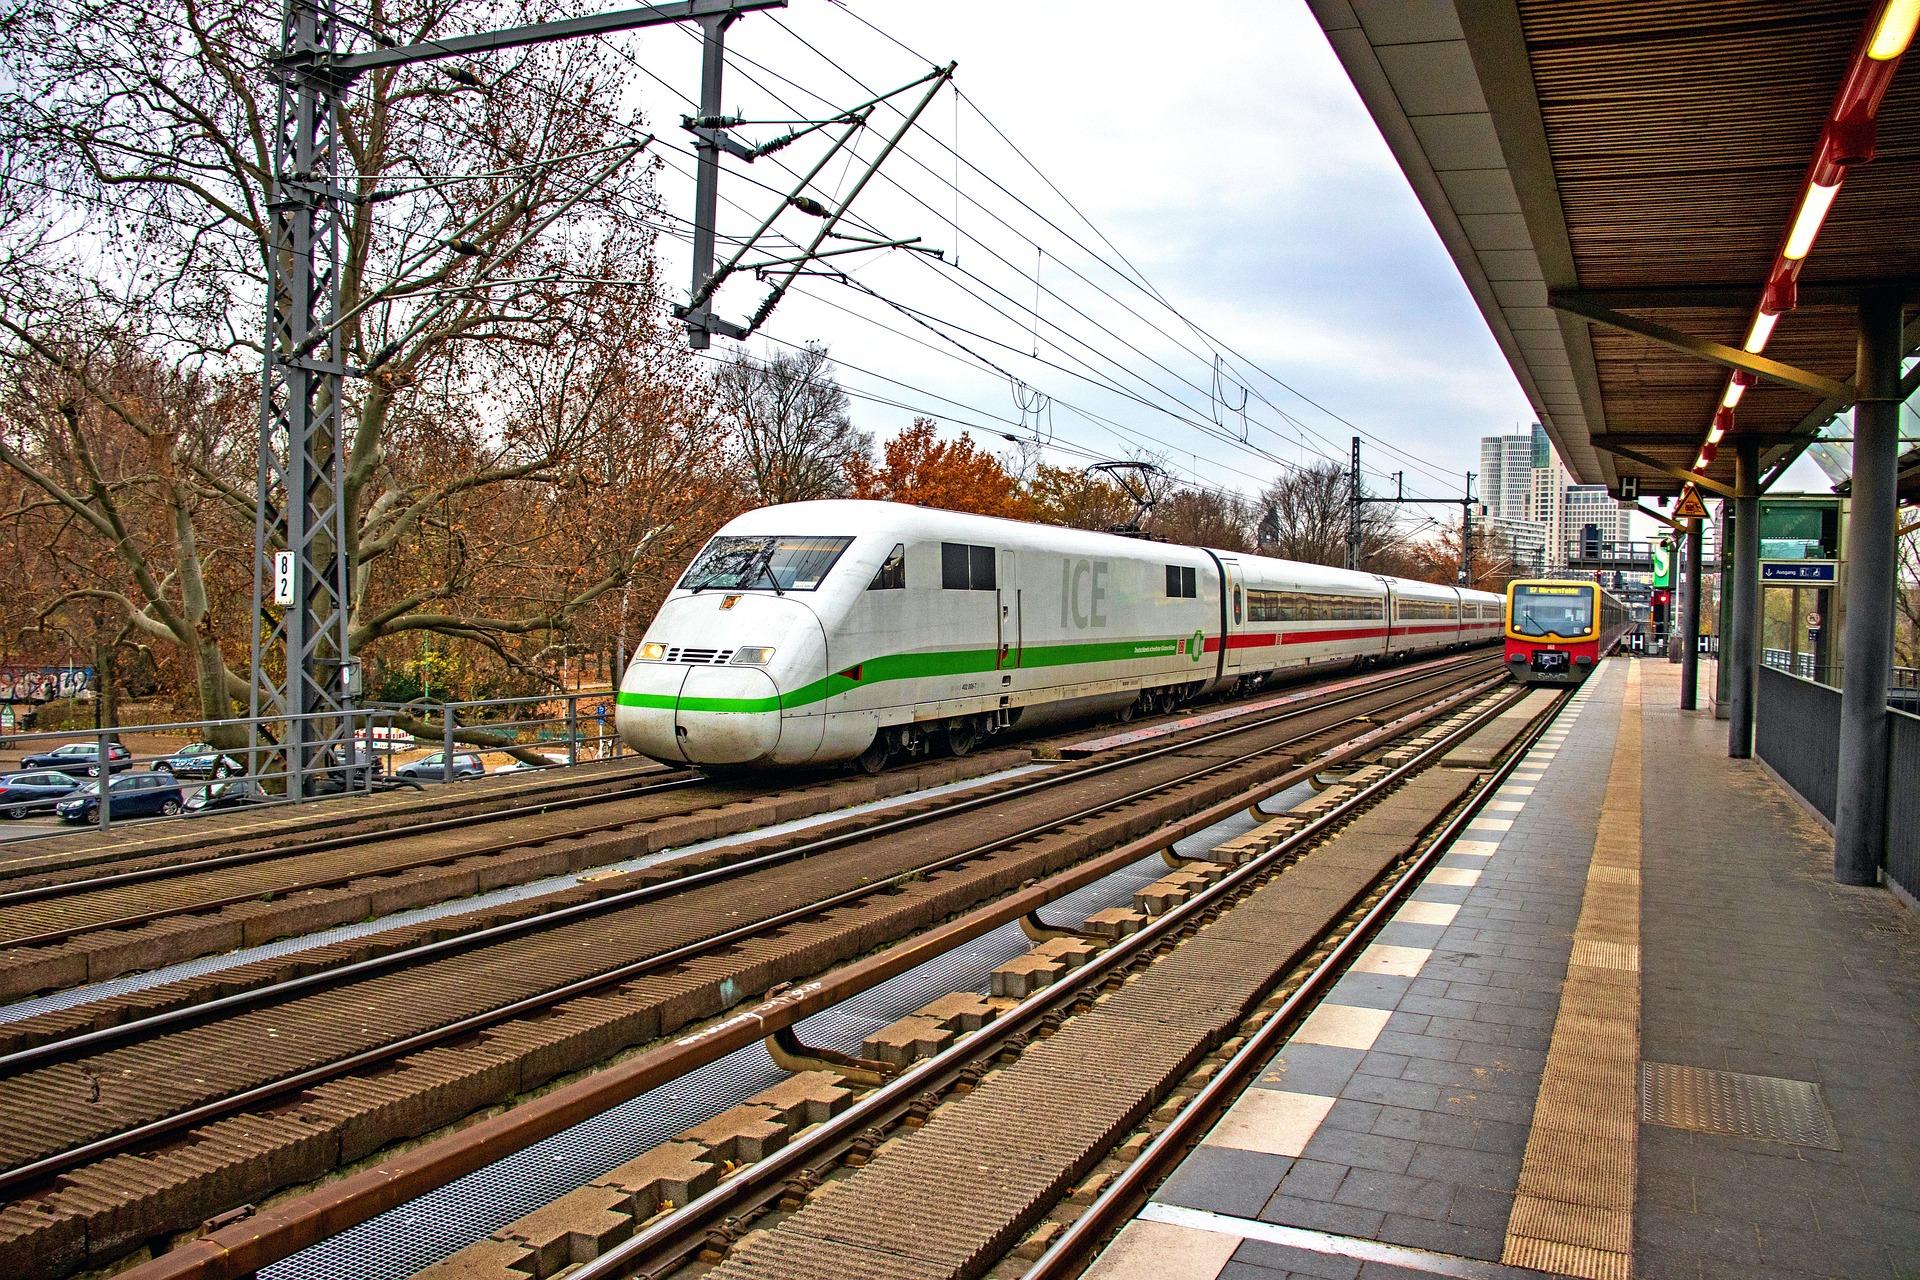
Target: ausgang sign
1799,572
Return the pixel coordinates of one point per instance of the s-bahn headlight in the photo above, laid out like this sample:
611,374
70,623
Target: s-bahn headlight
753,656
652,651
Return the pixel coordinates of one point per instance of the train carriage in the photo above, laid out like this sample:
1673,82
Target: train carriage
1558,629
846,630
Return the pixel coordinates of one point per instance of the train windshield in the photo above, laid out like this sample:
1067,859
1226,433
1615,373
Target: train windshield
1552,611
732,563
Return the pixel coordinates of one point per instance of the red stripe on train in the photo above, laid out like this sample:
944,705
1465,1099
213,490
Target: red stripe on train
1266,639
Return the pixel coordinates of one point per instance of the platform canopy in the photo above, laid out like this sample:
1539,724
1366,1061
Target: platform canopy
1615,180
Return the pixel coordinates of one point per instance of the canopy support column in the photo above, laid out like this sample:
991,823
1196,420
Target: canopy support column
1860,816
1744,642
1690,620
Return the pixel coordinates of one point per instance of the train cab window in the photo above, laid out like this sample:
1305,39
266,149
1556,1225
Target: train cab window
892,575
966,568
1183,583
730,562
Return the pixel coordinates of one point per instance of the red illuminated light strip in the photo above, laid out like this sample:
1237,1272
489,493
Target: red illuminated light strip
1846,139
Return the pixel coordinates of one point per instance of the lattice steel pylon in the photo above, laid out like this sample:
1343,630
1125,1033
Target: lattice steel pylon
301,452
300,417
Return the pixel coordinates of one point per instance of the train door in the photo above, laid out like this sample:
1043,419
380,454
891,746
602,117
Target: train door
1011,639
1233,609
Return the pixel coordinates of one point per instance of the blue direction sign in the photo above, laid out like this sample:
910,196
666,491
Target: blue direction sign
1798,572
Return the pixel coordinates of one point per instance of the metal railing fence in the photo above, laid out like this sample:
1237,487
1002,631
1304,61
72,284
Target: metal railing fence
1903,801
558,730
1797,733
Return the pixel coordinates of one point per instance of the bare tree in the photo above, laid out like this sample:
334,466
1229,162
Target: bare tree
1907,594
496,278
789,413
1304,515
1203,518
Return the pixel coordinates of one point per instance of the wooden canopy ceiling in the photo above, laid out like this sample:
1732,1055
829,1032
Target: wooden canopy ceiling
1644,158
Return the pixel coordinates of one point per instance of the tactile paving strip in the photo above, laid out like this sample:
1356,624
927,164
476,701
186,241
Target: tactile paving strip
1735,1105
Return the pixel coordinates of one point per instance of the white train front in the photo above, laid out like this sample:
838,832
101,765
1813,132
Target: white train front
829,631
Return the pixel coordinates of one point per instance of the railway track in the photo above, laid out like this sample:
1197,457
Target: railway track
1194,1004
56,936
61,934
79,855
282,1083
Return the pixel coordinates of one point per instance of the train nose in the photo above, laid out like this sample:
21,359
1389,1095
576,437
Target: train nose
727,715
700,715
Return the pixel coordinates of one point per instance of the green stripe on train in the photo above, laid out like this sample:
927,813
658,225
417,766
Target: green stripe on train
914,666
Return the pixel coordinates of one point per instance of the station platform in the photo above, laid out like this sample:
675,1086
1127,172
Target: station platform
1629,1027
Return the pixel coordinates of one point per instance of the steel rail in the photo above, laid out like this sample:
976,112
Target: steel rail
684,1230
91,1041
325,844
75,890
1074,1248
52,1165
276,1232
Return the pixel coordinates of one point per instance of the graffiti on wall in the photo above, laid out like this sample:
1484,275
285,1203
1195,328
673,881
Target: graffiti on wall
42,684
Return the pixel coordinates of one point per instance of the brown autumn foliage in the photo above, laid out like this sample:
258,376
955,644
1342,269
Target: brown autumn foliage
1075,499
533,456
917,466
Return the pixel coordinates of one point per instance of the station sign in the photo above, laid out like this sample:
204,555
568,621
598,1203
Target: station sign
1690,507
1663,563
1800,573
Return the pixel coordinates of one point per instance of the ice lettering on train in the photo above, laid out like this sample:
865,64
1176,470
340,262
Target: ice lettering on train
1083,593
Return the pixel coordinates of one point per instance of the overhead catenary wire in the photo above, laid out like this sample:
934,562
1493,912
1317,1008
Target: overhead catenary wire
1132,275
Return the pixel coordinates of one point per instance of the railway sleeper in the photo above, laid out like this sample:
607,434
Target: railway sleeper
554,847
1148,1040
1201,987
130,1200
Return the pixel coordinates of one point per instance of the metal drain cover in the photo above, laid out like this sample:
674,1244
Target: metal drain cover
1735,1105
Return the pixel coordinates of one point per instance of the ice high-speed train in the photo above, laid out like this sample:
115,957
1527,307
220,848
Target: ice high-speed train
830,631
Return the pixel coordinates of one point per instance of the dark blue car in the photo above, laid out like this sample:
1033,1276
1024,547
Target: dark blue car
77,758
25,793
131,795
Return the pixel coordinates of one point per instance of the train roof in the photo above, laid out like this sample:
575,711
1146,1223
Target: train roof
859,516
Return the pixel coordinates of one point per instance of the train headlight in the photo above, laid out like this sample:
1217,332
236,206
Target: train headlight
753,656
652,651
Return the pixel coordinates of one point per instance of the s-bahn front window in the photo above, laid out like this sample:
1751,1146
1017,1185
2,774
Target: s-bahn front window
734,563
1562,612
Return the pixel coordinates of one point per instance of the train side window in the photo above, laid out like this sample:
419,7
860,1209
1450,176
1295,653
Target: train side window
1183,583
980,559
892,575
966,568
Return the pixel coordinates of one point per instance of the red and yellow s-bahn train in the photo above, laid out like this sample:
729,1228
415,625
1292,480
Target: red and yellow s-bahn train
1557,629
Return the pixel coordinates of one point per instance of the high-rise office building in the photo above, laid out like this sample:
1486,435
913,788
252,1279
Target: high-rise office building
1506,475
1591,506
1526,493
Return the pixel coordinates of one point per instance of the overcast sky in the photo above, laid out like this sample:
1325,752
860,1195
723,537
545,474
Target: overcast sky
1222,150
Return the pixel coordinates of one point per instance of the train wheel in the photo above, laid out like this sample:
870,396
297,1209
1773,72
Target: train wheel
1126,714
874,759
962,737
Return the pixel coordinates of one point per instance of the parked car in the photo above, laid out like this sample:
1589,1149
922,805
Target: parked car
433,767
25,793
131,795
199,760
236,793
522,766
77,758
